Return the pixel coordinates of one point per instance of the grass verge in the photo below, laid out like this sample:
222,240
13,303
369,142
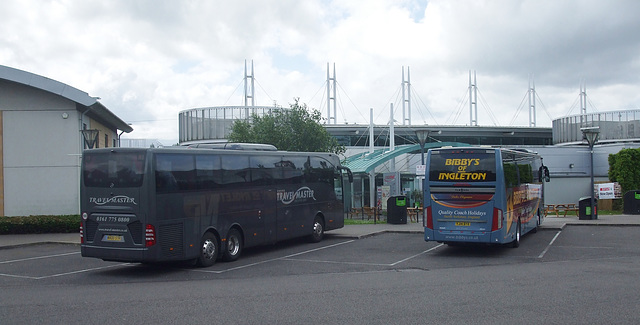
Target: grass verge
361,222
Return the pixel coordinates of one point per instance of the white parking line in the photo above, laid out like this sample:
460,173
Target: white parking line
275,259
549,246
38,257
80,271
334,262
59,274
18,276
414,256
361,263
290,257
319,248
51,275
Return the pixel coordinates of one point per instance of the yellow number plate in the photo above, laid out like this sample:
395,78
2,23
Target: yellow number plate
113,238
460,223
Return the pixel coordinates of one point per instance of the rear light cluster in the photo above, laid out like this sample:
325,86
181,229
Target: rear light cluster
498,218
429,220
150,235
85,216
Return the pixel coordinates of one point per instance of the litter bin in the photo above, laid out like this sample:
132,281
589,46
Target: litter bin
584,208
397,210
631,202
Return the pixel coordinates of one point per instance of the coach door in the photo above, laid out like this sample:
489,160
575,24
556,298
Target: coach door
268,216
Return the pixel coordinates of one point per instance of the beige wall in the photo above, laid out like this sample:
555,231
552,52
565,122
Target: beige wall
102,130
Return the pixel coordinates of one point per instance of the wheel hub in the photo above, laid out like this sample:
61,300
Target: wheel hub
208,249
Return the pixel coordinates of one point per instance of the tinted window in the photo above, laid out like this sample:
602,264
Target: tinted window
526,173
320,171
520,169
294,168
113,169
208,173
462,166
235,170
175,172
510,171
265,170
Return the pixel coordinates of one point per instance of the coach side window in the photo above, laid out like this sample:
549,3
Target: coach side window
294,169
510,171
174,173
321,171
208,173
265,170
525,172
235,170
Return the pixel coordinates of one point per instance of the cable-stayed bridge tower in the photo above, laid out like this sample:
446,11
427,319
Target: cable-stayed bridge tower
473,100
532,102
331,95
406,98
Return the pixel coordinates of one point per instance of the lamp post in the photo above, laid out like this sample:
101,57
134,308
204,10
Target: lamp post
422,136
90,137
591,134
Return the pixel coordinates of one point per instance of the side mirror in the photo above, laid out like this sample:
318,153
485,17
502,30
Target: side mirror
543,174
547,178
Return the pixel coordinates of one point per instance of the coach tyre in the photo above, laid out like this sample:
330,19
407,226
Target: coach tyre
318,230
234,245
209,250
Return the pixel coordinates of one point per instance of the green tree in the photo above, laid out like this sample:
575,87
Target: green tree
295,129
624,169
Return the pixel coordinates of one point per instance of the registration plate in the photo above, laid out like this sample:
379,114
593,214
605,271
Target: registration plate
465,224
113,238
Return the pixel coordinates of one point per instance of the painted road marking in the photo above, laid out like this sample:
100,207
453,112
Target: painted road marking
549,246
274,259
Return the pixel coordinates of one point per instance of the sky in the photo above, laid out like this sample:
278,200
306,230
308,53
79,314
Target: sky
148,60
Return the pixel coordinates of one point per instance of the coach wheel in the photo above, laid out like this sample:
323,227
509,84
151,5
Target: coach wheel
318,230
208,250
234,245
516,242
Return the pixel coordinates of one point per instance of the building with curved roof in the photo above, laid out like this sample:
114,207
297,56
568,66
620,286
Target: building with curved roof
44,126
615,127
561,146
211,124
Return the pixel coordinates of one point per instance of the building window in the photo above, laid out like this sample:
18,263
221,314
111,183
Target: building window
106,140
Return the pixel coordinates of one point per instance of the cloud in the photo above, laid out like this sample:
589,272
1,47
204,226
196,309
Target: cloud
149,60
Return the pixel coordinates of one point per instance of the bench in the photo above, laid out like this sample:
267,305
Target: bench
368,212
560,209
412,213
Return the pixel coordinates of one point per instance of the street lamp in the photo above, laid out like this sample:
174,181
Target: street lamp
90,137
591,134
422,138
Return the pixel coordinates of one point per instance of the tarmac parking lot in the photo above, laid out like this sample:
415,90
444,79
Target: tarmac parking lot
388,251
573,275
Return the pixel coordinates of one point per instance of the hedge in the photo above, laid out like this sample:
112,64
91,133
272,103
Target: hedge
39,224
